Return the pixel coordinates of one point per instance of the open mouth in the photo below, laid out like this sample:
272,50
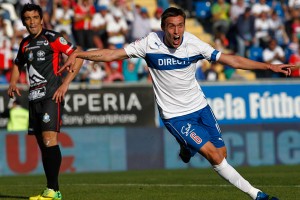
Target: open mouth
176,39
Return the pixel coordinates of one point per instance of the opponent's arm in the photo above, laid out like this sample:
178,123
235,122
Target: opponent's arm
239,62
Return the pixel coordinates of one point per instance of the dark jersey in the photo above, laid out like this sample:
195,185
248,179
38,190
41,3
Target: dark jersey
41,56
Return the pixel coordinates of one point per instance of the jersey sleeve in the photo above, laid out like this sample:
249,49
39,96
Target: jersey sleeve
60,44
137,48
202,48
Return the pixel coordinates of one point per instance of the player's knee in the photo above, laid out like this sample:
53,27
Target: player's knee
49,141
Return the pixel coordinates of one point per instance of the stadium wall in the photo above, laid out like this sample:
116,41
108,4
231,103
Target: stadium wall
259,122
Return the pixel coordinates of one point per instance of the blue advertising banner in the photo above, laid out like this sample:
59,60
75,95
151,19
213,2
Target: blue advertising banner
98,149
255,102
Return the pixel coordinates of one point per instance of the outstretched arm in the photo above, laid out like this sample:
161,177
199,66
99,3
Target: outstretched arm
102,55
239,62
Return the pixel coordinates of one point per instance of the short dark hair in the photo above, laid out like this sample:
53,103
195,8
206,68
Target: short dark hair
30,7
171,12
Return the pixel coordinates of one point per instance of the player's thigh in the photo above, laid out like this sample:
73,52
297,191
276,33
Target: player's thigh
45,116
187,130
210,124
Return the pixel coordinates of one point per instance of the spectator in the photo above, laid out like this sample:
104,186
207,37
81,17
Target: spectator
187,5
63,15
260,7
20,32
130,69
3,79
201,67
295,60
294,4
18,117
295,26
236,10
294,44
6,22
164,4
221,42
5,46
155,20
278,30
141,23
99,24
96,72
292,14
220,13
211,73
143,72
47,11
117,30
273,54
114,74
83,14
245,31
262,30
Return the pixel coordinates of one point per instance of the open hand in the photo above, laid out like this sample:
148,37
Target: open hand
12,90
282,68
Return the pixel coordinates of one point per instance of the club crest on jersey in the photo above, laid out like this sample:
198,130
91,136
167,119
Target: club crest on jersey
46,118
30,56
63,41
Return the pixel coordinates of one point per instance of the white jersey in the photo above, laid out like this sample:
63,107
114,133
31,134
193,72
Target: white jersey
172,70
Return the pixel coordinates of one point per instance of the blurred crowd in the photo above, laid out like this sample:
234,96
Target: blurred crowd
263,30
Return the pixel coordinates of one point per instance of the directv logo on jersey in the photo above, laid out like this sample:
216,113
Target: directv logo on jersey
172,61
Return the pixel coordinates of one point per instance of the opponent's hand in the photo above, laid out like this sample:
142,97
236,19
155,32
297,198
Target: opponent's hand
282,68
12,90
69,64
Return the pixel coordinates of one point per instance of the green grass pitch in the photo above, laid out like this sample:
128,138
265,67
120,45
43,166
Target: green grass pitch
187,184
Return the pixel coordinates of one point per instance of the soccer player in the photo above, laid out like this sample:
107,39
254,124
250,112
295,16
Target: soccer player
40,52
171,55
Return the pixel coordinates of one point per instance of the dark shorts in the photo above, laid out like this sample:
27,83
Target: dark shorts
195,129
44,116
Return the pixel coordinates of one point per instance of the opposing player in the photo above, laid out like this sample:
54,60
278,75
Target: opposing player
40,53
171,55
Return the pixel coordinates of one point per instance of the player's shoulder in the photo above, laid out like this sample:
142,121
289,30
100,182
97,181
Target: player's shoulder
193,40
51,35
156,35
190,37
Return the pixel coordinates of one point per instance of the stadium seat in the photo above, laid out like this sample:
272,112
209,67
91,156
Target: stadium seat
288,52
203,9
255,53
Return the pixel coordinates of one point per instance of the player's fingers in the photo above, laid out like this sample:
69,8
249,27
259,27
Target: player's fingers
65,67
289,71
11,95
11,92
18,92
